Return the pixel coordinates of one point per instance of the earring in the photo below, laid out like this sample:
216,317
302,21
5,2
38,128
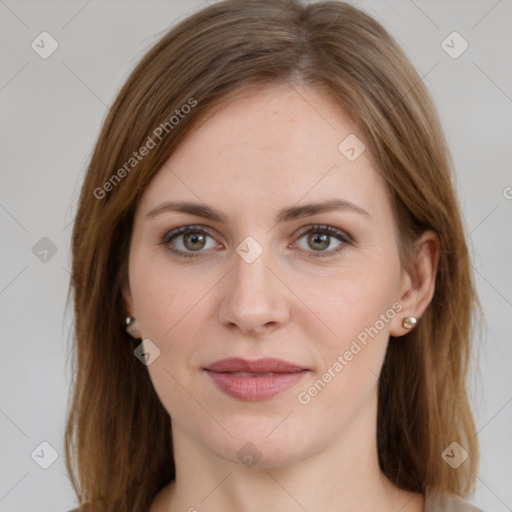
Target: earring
409,322
130,328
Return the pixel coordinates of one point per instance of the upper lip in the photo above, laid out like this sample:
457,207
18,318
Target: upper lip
264,365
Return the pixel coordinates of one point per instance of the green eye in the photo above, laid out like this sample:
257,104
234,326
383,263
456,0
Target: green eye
319,238
187,240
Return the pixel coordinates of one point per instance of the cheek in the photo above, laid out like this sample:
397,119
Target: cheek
168,309
358,307
165,297
171,306
354,299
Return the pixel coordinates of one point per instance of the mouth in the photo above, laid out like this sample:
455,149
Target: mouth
255,380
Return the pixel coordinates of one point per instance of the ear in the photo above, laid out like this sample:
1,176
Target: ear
418,281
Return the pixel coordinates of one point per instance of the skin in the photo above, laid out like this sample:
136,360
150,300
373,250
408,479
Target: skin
262,151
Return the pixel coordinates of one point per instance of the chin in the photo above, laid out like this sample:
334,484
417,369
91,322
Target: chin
264,444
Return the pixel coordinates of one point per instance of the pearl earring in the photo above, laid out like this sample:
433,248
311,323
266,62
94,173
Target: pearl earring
409,322
130,328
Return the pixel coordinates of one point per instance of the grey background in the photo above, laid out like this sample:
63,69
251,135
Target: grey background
52,110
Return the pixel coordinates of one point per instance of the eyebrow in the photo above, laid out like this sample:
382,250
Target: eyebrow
285,215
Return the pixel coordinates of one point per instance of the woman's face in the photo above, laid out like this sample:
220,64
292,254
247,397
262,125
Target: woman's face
264,279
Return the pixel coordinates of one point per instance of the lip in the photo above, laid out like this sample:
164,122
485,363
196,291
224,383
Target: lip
255,380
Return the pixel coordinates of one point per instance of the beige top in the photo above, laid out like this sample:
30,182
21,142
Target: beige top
433,503
448,503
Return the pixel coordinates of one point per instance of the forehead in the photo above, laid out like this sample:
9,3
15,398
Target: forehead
272,145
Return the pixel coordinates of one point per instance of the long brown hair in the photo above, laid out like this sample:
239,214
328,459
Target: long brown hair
118,437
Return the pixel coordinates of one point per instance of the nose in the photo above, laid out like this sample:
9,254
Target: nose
254,300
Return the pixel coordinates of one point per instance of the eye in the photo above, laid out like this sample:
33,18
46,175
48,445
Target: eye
319,238
188,240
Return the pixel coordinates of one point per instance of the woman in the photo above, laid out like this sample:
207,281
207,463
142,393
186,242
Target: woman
271,282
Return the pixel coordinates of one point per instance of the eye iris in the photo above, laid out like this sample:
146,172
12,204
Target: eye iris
194,238
322,239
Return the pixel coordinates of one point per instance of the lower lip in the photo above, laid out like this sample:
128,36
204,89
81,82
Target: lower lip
255,388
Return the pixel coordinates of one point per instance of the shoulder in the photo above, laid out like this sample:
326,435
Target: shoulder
444,502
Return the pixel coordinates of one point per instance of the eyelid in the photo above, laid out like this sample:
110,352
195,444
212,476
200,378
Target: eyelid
331,230
179,231
185,229
343,237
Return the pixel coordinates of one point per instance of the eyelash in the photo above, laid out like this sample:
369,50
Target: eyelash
317,229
